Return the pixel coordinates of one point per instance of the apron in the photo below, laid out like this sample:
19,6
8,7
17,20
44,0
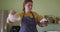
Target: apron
28,24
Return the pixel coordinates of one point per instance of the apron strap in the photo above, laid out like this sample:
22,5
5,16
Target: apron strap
32,15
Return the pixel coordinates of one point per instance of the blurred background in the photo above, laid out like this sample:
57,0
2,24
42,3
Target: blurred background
50,8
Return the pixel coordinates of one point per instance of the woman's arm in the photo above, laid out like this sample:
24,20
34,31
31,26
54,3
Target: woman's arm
12,17
37,18
40,21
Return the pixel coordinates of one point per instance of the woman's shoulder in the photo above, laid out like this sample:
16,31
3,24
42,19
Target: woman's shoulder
34,12
19,14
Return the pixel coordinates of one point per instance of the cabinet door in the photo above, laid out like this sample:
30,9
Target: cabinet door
3,17
0,20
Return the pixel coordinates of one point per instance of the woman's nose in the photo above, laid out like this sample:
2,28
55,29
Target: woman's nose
30,7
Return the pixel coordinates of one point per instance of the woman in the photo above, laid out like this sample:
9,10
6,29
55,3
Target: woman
28,18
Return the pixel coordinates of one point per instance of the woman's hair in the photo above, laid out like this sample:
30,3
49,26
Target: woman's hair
25,2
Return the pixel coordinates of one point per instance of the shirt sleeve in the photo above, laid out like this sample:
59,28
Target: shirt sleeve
38,18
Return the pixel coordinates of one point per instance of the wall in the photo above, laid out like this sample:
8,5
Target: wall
42,7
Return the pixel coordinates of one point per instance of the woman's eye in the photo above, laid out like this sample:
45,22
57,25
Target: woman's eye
29,5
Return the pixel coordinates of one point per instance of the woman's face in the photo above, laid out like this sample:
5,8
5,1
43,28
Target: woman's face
28,6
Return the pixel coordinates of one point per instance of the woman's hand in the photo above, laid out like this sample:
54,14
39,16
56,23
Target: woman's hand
43,22
9,22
